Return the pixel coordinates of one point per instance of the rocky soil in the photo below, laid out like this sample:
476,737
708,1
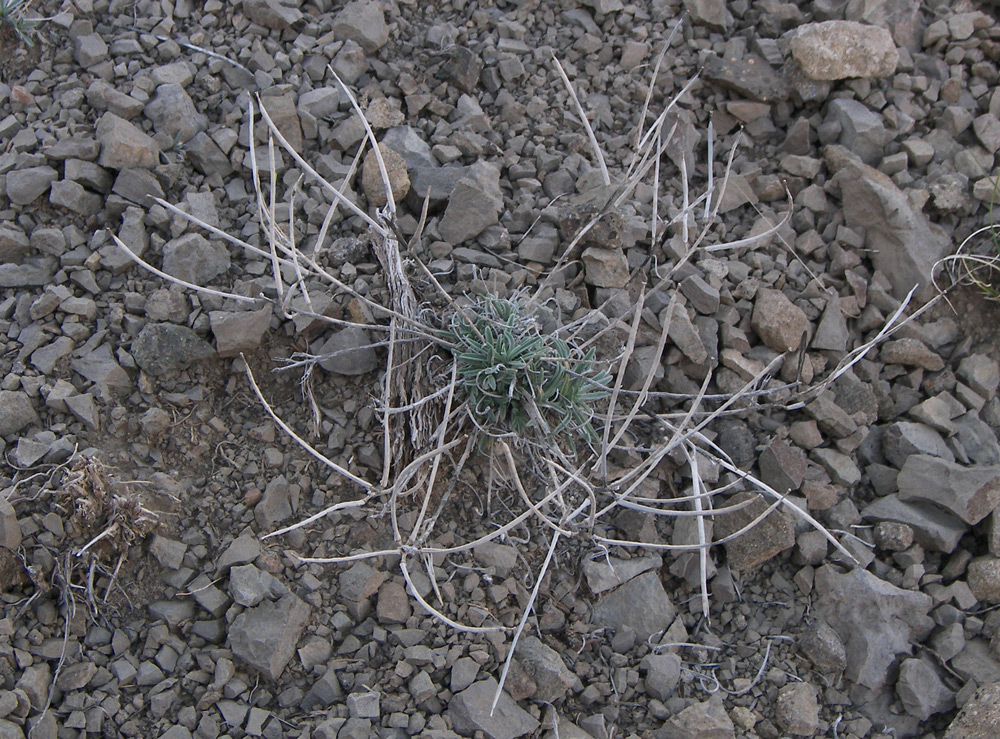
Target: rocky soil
140,474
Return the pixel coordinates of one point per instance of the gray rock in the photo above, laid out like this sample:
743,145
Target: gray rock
123,145
606,573
371,178
138,185
285,117
363,22
416,152
711,13
265,636
16,412
764,540
984,579
641,604
243,550
497,559
32,273
782,467
47,357
932,527
778,322
14,244
861,129
837,50
553,679
26,185
74,147
348,351
707,720
911,353
279,501
163,347
89,50
904,245
703,297
904,439
239,331
663,672
364,705
10,529
609,268
839,466
987,128
876,621
103,96
323,692
797,710
193,258
977,662
75,197
979,717
822,646
393,605
970,493
750,76
168,552
206,156
921,689
85,410
249,586
272,14
470,712
682,331
831,332
474,205
88,174
981,373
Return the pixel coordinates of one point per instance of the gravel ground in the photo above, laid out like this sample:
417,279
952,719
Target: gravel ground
141,474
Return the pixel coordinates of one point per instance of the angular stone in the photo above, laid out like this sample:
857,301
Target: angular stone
474,205
123,145
239,331
837,50
75,197
779,323
163,347
348,351
553,679
663,672
904,439
911,353
609,572
707,720
984,579
932,527
272,14
782,467
797,710
824,648
641,604
89,50
138,185
371,178
16,412
26,185
979,717
921,689
876,621
470,712
903,244
193,258
14,244
265,636
363,22
971,493
606,268
173,113
861,129
711,13
766,539
831,334
981,373
243,550
10,529
285,116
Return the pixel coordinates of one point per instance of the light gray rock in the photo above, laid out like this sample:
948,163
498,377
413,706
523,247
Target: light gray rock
239,331
663,672
903,439
984,579
606,573
474,205
970,493
932,527
272,14
10,529
979,717
831,332
641,604
711,13
778,322
285,117
981,373
123,145
837,50
363,22
163,347
553,679
416,152
348,352
16,412
193,258
921,689
707,720
173,113
797,710
876,621
470,712
265,636
75,198
249,586
861,129
904,245
26,185
89,50
609,268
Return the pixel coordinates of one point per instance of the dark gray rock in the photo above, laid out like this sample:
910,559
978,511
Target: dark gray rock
663,672
14,244
932,527
822,646
265,636
348,351
164,347
921,689
876,621
26,185
138,185
970,493
474,205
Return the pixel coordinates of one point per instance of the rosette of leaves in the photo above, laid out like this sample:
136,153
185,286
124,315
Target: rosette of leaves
517,380
12,16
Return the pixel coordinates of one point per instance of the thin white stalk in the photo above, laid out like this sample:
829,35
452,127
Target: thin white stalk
702,535
345,505
435,612
711,169
586,123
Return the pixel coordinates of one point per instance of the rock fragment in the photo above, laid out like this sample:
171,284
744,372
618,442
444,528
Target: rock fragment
771,536
474,205
921,689
470,712
16,412
779,323
348,351
707,720
876,621
797,710
272,14
980,717
363,22
641,604
123,145
971,493
163,347
26,185
837,50
265,636
239,331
